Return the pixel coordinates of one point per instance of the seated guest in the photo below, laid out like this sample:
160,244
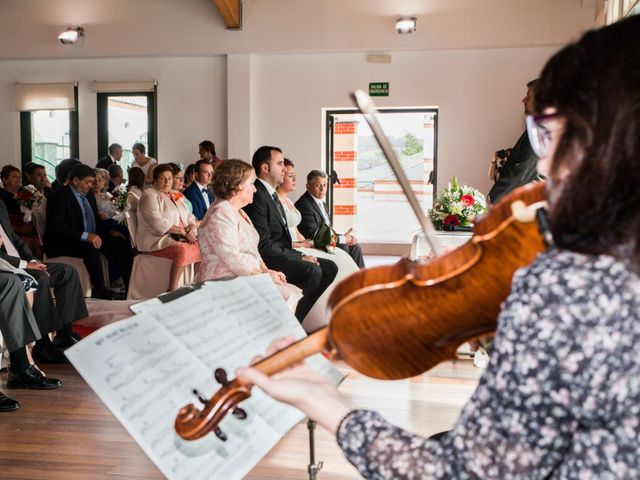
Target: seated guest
72,229
63,169
346,266
313,275
178,185
314,212
116,177
189,175
12,180
51,316
165,227
106,208
114,156
199,193
147,164
36,175
207,151
106,213
135,187
228,242
19,328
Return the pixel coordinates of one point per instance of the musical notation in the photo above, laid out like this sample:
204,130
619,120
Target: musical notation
146,367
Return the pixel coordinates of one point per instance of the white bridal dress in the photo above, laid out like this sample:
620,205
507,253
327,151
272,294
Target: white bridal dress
317,316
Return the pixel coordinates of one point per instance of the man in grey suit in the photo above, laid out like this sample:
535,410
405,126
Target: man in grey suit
19,328
51,316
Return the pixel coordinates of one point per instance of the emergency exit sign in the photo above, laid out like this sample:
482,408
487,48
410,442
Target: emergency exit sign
379,89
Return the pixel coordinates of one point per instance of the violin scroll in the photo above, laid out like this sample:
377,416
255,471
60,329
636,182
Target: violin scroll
193,423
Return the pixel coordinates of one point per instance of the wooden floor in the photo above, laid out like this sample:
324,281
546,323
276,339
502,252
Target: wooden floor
69,434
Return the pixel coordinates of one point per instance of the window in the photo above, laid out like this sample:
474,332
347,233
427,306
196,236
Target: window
368,197
47,135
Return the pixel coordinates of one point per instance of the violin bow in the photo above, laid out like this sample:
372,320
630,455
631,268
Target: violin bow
369,111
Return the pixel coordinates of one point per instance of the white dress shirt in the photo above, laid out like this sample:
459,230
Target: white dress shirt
205,195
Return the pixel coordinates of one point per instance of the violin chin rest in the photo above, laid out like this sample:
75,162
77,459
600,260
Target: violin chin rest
523,213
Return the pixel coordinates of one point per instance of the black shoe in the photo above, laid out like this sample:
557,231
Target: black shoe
8,404
48,353
102,293
32,378
62,343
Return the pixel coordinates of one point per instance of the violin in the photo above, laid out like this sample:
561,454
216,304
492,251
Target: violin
398,321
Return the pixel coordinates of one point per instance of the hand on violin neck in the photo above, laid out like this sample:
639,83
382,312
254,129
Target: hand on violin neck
301,387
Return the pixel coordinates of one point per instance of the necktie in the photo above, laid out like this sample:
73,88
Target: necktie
89,221
279,205
325,210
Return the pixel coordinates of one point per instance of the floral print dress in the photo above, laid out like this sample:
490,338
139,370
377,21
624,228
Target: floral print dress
561,396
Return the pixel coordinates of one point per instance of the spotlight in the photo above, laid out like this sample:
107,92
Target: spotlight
406,25
71,35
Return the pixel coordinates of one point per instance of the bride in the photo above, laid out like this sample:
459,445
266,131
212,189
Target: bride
316,317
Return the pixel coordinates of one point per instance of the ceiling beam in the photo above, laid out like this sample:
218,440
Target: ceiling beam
231,11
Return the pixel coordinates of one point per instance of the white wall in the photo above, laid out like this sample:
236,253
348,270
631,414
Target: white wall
478,92
192,100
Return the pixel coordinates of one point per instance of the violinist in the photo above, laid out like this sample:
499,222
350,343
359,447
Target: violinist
561,396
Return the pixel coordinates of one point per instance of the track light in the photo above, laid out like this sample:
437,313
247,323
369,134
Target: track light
406,25
71,35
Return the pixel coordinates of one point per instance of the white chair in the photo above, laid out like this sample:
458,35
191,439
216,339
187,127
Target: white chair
150,274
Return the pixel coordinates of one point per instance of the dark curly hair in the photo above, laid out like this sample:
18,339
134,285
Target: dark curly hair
229,175
594,84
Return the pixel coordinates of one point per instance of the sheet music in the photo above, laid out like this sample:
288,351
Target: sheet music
144,369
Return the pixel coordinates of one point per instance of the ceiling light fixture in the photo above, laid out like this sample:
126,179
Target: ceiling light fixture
71,35
406,25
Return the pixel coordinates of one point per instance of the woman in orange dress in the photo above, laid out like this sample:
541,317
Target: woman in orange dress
165,226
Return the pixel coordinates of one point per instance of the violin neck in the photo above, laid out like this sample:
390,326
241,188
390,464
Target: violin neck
317,342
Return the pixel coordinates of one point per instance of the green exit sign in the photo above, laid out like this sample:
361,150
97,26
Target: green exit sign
379,89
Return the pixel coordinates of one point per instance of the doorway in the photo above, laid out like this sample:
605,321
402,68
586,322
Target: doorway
126,118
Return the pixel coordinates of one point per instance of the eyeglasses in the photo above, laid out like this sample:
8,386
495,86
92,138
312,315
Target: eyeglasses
540,134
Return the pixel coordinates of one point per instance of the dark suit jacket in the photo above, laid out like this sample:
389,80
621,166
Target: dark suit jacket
9,201
521,167
275,239
23,249
65,224
311,215
194,194
104,162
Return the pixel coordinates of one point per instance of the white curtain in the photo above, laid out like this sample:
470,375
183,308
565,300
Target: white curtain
44,96
115,87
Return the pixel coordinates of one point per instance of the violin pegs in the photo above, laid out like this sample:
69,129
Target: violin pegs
239,413
220,434
221,376
201,398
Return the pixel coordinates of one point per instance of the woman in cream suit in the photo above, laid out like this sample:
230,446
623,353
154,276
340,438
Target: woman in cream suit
165,226
228,241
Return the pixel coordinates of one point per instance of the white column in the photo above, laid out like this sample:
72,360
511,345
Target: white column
239,132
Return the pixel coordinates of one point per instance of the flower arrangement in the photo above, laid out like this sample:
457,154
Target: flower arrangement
324,238
28,197
457,206
119,201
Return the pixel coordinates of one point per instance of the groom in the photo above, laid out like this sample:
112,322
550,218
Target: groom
313,275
